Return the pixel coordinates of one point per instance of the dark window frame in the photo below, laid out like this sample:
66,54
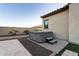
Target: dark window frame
46,25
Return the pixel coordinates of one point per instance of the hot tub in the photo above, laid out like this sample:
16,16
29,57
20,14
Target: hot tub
40,36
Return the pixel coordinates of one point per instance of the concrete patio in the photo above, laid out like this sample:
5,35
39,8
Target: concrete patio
69,53
12,48
55,48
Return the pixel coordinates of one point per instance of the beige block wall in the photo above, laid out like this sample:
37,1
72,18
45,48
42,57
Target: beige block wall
58,24
74,23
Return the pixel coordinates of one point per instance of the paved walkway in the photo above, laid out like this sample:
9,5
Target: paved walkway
69,53
12,48
55,48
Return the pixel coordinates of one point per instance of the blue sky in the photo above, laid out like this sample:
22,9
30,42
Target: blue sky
25,14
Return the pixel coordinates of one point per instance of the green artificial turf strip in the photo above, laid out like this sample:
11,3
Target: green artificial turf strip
61,52
73,47
70,46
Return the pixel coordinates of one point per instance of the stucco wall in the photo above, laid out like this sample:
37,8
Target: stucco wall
58,23
74,23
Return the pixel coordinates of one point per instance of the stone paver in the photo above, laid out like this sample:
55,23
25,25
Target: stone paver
69,53
12,48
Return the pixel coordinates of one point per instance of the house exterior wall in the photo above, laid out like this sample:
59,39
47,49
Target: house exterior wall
58,24
74,23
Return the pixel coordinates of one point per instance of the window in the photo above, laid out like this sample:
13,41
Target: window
45,24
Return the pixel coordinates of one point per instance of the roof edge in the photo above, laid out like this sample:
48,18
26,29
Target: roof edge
56,11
